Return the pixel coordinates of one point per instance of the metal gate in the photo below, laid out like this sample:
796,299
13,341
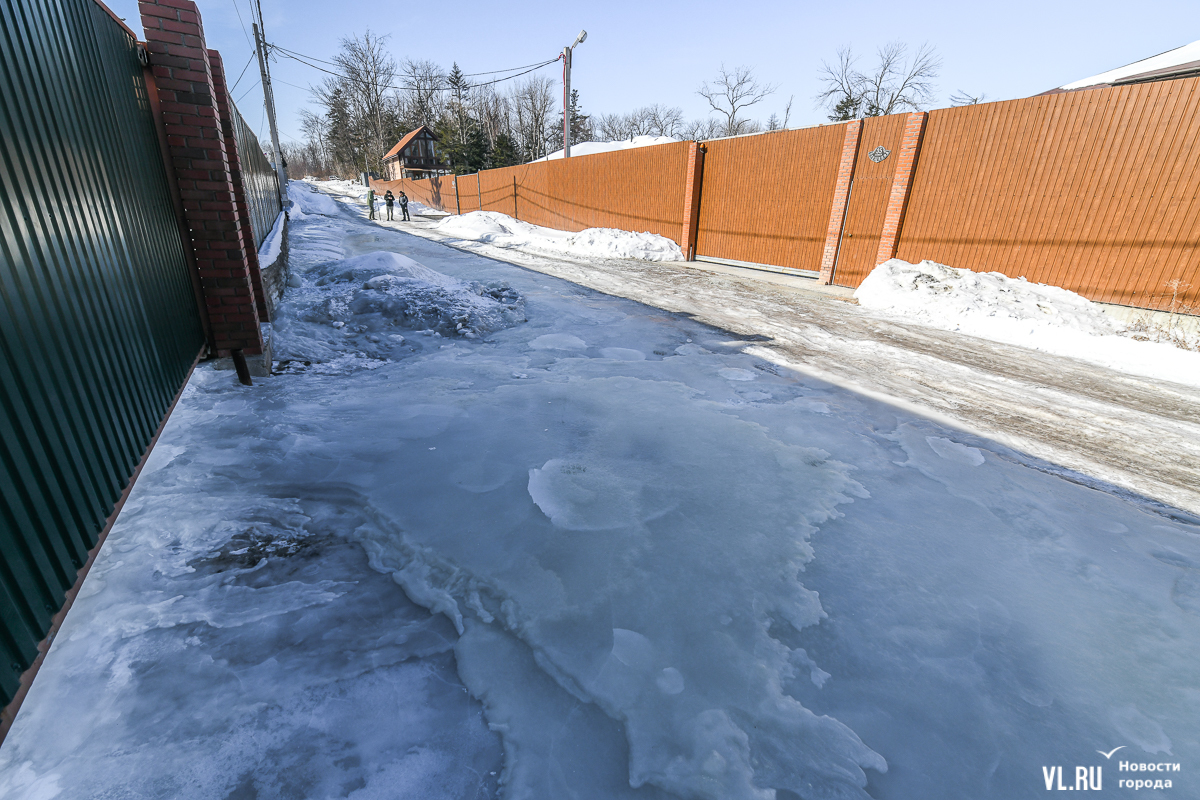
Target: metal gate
98,321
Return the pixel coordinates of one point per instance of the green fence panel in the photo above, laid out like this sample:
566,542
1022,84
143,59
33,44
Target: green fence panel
98,317
258,178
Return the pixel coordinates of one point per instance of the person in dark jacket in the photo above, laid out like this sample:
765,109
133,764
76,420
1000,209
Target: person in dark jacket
404,207
389,198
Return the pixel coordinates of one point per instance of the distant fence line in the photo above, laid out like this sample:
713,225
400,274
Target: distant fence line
1095,191
259,178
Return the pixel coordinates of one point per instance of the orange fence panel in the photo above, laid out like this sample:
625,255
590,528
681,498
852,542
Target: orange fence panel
765,199
870,190
1094,190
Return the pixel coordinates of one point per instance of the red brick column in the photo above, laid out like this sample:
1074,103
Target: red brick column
910,148
841,198
691,200
197,148
245,229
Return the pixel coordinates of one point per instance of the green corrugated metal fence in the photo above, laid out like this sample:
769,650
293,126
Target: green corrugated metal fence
258,179
98,320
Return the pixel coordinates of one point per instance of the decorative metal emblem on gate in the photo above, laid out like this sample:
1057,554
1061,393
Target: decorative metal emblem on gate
879,154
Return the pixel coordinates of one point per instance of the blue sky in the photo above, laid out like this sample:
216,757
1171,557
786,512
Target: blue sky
640,52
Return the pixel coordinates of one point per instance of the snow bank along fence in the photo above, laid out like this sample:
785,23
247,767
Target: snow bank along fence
110,288
1092,190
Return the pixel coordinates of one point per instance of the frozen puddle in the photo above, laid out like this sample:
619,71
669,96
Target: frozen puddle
610,556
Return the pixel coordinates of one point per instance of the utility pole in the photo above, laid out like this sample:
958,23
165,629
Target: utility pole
269,99
567,93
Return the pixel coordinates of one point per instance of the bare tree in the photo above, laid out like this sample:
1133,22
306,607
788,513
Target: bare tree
533,103
359,104
700,129
730,93
492,109
662,120
316,134
423,83
895,83
370,72
774,123
653,120
961,98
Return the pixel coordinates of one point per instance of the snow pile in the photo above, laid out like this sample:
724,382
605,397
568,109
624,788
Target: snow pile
307,200
269,251
590,148
1012,310
501,230
356,190
360,305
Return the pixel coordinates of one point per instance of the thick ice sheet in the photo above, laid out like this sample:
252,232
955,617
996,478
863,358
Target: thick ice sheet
1015,311
666,568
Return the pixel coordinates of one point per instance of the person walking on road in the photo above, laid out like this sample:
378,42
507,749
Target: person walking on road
370,204
389,198
404,207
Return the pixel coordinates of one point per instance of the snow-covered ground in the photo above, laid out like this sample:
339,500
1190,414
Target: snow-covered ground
356,190
501,230
637,561
993,306
588,148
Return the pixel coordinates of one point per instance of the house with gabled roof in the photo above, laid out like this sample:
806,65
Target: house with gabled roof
415,156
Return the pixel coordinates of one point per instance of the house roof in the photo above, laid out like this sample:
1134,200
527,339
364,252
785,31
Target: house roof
403,143
1178,63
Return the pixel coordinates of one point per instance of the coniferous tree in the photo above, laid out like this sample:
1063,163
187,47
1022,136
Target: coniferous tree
503,153
845,109
581,126
462,141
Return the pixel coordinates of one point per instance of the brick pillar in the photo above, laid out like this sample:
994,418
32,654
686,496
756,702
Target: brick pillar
841,198
245,229
910,147
691,200
197,148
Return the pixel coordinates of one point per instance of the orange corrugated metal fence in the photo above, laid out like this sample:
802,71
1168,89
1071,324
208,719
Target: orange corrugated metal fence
1095,191
870,188
765,199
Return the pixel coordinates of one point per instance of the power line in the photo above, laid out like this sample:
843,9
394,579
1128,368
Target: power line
305,60
248,91
243,72
239,16
465,74
514,69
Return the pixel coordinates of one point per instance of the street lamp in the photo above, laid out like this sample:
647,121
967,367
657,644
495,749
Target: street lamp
567,93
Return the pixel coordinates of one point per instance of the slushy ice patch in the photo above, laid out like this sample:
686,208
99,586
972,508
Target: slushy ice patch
363,305
692,665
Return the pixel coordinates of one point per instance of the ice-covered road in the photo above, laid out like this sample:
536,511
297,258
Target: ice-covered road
1138,433
659,564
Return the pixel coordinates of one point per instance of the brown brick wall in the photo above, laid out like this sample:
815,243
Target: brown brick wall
245,227
910,144
200,155
691,200
841,196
